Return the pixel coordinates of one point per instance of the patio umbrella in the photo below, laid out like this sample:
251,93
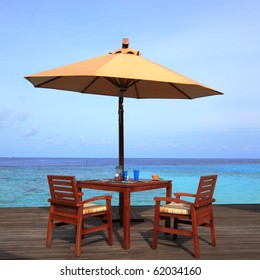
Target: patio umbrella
121,73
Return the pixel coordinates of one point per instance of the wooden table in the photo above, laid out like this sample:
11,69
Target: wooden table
125,189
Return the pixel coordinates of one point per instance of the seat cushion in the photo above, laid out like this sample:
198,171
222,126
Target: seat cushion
93,208
175,208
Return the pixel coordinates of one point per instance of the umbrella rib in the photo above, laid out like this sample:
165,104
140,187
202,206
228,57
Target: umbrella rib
136,89
123,82
134,82
131,82
180,91
92,82
113,81
46,82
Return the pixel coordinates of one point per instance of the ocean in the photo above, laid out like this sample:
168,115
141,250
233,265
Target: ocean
23,181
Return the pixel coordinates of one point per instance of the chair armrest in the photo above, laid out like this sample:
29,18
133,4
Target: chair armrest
171,199
205,203
179,194
167,199
95,198
62,202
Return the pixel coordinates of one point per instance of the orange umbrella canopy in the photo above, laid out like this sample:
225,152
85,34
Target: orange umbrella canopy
122,73
122,69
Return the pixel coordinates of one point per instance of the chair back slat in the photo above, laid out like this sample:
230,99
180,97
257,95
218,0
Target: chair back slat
63,188
205,190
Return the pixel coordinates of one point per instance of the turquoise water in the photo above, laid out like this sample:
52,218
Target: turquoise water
23,180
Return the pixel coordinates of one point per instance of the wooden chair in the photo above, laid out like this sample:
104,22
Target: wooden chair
197,213
67,207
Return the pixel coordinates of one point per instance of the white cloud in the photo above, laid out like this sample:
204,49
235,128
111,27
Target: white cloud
141,145
31,132
82,140
59,140
169,146
102,142
9,117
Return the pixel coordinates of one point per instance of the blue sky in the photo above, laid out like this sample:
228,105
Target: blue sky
214,42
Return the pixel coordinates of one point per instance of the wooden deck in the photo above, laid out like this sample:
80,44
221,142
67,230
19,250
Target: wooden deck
23,231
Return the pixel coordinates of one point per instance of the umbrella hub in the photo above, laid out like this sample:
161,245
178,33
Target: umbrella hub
125,49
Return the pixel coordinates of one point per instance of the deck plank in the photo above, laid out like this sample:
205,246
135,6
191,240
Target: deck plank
23,231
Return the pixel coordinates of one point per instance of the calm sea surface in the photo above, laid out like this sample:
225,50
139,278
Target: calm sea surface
23,180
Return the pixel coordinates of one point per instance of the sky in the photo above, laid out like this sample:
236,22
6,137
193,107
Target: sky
214,42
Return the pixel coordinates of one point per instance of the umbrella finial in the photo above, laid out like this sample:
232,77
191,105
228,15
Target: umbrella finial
125,43
125,49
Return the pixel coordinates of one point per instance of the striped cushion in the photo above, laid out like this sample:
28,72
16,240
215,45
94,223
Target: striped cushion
93,208
175,208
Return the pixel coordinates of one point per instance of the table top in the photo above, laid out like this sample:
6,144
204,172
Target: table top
128,182
121,185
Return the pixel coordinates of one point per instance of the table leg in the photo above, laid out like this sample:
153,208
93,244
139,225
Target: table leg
121,208
168,194
127,210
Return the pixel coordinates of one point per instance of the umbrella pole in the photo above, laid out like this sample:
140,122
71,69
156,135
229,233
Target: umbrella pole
121,148
121,128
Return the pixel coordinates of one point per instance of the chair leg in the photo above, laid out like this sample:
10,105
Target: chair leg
82,227
155,230
195,234
213,233
78,233
109,229
196,243
155,238
175,226
49,231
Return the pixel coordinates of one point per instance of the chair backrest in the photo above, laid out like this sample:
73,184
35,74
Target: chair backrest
63,188
205,190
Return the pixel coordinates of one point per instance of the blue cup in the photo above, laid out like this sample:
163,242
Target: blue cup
136,175
125,176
